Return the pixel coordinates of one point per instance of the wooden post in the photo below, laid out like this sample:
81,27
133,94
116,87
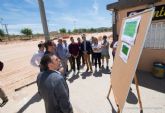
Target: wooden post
109,91
118,111
138,92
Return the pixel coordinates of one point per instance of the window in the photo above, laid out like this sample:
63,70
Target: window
156,36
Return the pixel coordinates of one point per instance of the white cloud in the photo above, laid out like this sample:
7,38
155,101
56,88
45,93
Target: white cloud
95,7
69,19
60,3
12,8
31,1
50,12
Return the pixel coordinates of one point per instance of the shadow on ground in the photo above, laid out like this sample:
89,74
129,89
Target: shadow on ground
35,98
74,77
147,80
131,98
86,74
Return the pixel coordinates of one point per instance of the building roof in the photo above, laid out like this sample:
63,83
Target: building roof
123,4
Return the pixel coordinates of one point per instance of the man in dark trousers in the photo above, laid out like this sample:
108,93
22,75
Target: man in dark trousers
87,50
2,93
52,87
74,51
80,52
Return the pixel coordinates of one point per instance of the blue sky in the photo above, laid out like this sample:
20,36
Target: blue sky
60,14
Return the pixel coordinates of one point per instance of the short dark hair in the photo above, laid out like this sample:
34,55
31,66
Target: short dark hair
1,65
83,35
71,37
104,37
48,43
45,60
40,45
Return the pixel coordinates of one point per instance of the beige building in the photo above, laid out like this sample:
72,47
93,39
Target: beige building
154,47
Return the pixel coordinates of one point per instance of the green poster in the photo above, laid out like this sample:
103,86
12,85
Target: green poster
125,49
130,28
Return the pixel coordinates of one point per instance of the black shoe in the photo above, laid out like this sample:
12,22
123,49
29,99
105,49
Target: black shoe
107,67
4,102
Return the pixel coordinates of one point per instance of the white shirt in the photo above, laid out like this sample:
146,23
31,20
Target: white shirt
36,58
96,48
115,44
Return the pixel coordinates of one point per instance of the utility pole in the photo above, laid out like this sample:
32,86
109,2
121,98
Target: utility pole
7,33
43,19
1,19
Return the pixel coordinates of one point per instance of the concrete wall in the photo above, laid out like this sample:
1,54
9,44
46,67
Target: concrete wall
148,55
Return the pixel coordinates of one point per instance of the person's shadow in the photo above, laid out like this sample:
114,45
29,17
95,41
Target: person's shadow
86,74
35,98
74,77
131,98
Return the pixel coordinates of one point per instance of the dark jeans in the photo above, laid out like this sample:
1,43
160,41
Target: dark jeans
113,54
97,59
82,61
75,60
92,57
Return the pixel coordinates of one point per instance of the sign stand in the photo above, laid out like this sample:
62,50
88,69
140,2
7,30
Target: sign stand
127,70
138,94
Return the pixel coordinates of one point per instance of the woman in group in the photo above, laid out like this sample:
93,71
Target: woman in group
96,47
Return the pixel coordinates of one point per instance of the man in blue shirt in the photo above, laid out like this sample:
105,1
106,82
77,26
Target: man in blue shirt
62,53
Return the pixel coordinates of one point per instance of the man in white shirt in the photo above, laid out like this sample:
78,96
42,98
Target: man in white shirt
36,58
114,49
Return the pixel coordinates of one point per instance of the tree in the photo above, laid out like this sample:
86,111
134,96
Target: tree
84,30
75,30
2,34
26,31
92,30
69,32
62,30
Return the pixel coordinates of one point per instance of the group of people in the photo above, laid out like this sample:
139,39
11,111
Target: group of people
77,53
52,59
